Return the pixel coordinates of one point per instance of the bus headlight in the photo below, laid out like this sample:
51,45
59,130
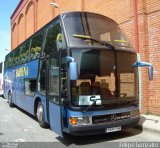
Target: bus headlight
80,120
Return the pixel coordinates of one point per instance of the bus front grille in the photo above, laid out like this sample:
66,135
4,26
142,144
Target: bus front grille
110,117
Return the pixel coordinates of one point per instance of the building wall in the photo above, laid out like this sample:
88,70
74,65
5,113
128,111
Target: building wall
45,13
29,19
153,11
31,15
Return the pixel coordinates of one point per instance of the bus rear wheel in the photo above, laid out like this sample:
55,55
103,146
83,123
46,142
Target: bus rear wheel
10,100
40,115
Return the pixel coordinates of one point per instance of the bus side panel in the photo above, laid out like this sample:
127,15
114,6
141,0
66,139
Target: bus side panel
24,95
20,90
8,81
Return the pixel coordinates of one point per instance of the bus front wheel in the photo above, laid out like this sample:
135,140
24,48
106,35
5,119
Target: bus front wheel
10,100
40,115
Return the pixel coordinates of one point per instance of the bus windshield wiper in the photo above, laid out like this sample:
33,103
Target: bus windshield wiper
84,37
94,103
93,99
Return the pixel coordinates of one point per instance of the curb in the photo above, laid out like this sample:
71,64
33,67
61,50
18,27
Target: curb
149,129
146,125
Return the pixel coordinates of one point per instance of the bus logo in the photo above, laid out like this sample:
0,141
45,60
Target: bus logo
21,72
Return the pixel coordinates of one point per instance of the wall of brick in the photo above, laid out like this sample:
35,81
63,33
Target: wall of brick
29,18
21,28
14,35
153,11
44,13
31,15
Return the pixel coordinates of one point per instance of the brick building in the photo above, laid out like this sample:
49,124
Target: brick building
31,15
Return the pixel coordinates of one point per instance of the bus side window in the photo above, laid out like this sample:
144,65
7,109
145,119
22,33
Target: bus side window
54,79
36,45
16,58
6,62
30,86
10,59
63,75
33,85
42,77
53,35
24,57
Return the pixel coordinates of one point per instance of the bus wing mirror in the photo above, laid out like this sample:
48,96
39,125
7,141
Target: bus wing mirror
145,64
73,68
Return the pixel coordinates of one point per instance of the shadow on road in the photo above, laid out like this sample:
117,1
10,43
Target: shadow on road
92,139
26,113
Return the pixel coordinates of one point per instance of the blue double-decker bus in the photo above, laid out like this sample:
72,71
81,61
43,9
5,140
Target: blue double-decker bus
78,74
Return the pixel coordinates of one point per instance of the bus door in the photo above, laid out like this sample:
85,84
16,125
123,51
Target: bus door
53,94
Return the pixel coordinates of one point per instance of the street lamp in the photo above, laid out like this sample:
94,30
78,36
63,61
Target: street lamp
4,51
7,49
57,6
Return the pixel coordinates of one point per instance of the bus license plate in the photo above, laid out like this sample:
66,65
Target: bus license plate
113,129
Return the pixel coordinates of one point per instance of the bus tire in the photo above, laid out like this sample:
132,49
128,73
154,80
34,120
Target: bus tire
10,100
40,115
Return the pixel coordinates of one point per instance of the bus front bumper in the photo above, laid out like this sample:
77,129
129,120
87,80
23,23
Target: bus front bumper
101,128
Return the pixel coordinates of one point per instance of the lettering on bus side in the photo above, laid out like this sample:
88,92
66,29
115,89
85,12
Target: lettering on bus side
21,72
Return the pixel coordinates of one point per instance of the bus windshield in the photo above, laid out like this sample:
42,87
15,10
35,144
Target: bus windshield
96,26
105,76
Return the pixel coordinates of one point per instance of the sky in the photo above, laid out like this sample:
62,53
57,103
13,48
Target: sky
7,8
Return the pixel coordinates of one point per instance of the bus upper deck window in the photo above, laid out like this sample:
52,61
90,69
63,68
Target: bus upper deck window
36,44
53,39
24,57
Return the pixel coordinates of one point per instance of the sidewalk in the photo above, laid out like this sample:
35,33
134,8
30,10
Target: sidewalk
150,123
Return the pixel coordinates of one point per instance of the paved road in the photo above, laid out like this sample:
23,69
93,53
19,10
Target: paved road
18,126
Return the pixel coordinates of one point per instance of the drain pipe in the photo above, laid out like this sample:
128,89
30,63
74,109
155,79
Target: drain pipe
136,32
